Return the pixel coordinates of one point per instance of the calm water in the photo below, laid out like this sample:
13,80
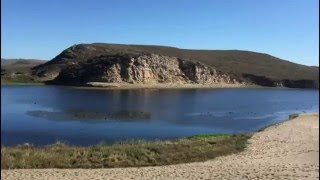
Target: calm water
45,114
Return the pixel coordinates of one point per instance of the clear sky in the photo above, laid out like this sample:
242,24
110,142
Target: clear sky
288,29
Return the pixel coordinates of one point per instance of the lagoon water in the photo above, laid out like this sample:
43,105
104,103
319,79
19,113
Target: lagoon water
43,115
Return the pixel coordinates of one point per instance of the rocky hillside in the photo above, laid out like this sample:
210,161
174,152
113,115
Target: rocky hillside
145,64
143,68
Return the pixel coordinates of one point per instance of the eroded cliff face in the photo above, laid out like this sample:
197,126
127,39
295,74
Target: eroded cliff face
145,68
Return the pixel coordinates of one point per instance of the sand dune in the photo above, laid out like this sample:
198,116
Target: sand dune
286,151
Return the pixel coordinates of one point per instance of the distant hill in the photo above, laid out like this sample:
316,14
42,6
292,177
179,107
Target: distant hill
22,65
18,70
259,68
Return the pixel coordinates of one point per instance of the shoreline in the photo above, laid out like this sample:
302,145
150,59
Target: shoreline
290,117
22,84
289,149
166,86
136,86
159,86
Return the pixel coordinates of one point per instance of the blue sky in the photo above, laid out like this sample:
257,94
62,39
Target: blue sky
288,29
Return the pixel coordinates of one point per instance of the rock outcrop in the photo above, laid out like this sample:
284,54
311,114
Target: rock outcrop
143,68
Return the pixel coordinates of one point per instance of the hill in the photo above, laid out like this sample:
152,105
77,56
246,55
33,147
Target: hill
18,70
258,68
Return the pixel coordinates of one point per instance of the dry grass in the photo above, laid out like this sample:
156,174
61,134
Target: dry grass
125,154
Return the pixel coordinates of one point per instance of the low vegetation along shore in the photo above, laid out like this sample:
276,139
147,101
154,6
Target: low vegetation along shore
127,154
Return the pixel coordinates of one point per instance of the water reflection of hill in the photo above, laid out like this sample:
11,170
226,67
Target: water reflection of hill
88,116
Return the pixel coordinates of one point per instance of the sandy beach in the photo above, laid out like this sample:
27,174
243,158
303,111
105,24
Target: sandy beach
289,150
